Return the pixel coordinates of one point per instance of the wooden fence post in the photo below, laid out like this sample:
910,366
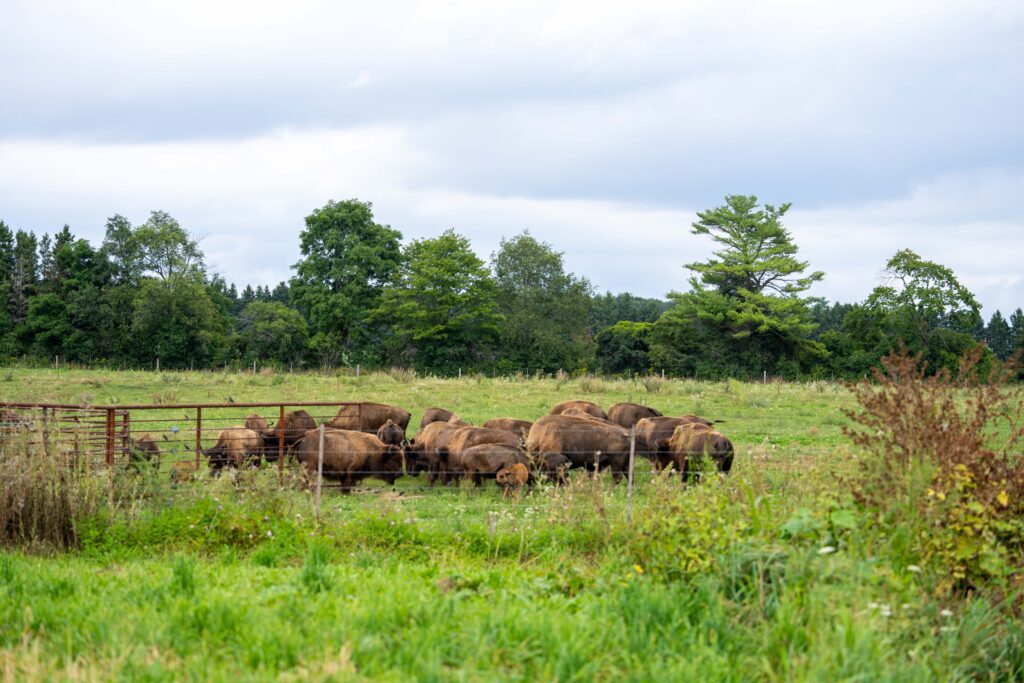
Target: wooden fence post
629,481
319,472
199,435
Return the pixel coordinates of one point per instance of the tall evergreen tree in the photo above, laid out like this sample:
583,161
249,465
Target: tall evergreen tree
997,336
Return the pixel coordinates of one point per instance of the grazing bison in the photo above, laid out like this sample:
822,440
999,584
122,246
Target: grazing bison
628,414
369,417
391,434
349,457
256,422
652,431
424,449
583,441
435,415
465,438
183,471
512,478
143,452
691,442
586,406
295,425
510,424
235,446
486,459
458,421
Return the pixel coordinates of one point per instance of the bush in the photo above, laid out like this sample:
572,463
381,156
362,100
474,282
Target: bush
941,469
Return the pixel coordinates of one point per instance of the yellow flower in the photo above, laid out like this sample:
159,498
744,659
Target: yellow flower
638,568
1003,499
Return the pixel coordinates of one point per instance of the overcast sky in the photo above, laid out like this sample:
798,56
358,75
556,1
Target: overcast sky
601,127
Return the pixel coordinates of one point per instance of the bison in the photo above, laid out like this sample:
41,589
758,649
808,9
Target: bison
143,452
586,406
183,471
369,417
465,438
256,422
628,414
691,442
510,424
391,434
349,457
424,449
486,459
295,424
235,446
650,431
583,441
435,415
552,465
512,478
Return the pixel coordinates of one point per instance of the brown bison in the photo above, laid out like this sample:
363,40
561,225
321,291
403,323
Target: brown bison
391,434
465,438
585,406
435,415
256,422
510,424
692,442
651,431
458,421
183,471
234,448
628,414
583,441
295,424
369,417
486,459
424,450
349,457
142,452
512,478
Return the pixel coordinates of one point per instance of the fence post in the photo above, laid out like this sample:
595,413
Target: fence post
108,455
765,377
319,472
629,480
280,447
199,435
158,364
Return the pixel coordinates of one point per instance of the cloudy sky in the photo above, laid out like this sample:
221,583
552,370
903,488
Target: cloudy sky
602,127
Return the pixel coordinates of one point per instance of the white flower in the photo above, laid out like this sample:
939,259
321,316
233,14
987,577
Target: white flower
946,613
905,606
826,550
270,533
913,568
191,526
872,605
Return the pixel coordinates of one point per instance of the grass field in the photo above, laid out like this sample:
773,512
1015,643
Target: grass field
769,574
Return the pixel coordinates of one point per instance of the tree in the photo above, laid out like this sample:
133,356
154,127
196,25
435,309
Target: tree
441,311
998,337
25,276
624,347
1017,331
612,308
925,307
270,331
347,260
122,248
744,313
546,310
175,321
166,249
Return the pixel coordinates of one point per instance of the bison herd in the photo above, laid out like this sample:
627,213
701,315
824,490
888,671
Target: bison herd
369,440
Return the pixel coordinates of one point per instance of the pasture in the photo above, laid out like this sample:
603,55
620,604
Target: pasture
768,574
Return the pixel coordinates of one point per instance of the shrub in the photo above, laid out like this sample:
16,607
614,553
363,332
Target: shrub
653,384
941,466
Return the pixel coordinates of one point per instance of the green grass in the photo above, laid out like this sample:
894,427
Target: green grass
728,580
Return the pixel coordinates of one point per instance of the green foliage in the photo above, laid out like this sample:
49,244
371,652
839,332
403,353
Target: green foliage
269,331
545,309
347,260
624,347
175,321
743,314
441,312
998,336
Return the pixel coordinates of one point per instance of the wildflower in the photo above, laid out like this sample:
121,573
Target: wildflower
1003,499
191,526
946,613
913,568
270,534
638,569
826,550
905,606
872,605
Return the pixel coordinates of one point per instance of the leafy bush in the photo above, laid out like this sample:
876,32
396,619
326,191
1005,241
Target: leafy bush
942,466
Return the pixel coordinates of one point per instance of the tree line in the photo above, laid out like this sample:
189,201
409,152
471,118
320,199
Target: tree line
359,295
